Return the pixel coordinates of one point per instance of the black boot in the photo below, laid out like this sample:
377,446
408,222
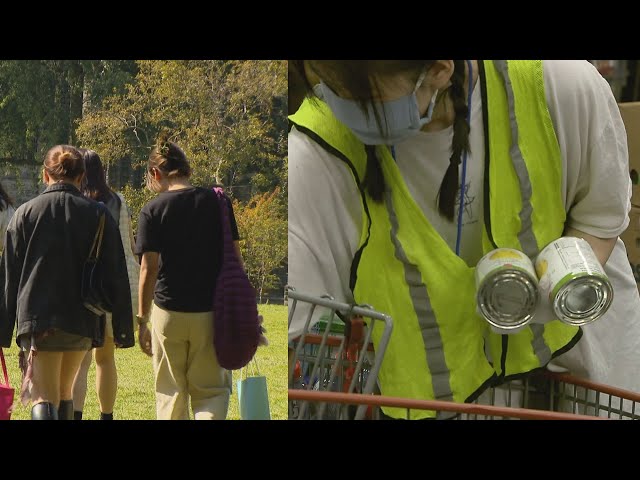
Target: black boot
77,414
65,410
44,411
106,416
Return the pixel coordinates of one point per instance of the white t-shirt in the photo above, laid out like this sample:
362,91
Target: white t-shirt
325,214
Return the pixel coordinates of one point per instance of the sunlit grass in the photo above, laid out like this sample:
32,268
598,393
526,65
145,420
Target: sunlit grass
136,397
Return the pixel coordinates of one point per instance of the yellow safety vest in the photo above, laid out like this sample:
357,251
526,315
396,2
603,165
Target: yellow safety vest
440,347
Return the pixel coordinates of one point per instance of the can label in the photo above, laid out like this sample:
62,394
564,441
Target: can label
507,291
574,281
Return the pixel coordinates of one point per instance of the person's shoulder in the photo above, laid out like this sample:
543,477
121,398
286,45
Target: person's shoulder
569,68
156,202
90,206
578,79
311,165
115,196
301,140
205,191
119,196
33,205
85,201
209,191
7,209
13,213
211,194
305,152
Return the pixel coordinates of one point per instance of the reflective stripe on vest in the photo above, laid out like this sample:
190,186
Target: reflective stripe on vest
437,348
426,318
526,236
523,141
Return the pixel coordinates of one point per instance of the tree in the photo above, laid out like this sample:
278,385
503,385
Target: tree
227,115
41,100
263,239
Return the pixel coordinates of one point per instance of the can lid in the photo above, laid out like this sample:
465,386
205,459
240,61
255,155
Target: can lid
583,300
508,299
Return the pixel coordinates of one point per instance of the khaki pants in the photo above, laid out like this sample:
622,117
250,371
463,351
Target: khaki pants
186,368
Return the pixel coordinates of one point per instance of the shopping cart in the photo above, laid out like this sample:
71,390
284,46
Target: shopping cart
334,354
333,373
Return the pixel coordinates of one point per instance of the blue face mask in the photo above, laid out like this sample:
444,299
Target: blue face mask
400,117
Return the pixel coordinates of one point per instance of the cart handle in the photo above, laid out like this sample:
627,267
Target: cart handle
598,387
435,405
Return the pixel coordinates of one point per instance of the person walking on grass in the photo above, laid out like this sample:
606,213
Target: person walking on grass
48,241
179,238
95,187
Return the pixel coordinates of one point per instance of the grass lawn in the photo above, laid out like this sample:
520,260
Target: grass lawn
136,396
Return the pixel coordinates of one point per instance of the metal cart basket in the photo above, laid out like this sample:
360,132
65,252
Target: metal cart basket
333,372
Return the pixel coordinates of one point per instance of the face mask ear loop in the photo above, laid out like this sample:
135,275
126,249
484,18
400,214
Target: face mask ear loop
420,80
429,113
432,105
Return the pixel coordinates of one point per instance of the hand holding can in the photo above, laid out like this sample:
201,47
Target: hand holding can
573,280
507,289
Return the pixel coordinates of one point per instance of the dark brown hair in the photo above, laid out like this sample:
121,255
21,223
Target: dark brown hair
95,184
63,162
358,79
169,158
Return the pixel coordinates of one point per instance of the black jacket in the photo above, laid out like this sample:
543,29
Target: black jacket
46,245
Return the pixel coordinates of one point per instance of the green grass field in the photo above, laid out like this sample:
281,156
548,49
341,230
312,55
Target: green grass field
136,396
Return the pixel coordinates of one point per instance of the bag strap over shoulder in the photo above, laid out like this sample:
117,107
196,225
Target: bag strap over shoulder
4,368
226,223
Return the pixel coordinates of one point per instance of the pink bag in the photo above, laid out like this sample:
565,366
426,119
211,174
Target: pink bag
6,392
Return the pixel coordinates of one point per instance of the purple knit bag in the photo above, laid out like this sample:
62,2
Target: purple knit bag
236,329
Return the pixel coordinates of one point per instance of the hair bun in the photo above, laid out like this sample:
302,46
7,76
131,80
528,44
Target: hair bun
66,160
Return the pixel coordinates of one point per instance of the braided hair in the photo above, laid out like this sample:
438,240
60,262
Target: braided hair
459,144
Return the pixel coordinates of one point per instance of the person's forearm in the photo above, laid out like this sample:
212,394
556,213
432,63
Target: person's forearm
602,247
146,287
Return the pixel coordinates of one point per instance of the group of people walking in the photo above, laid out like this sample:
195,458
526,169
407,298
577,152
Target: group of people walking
161,283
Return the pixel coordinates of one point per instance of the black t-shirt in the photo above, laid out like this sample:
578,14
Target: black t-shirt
184,227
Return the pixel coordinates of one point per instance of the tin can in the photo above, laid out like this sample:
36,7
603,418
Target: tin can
574,281
507,288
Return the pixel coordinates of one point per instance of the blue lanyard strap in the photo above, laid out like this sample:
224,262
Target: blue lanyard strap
464,161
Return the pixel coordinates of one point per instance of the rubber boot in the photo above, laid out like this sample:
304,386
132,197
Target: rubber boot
44,411
65,410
